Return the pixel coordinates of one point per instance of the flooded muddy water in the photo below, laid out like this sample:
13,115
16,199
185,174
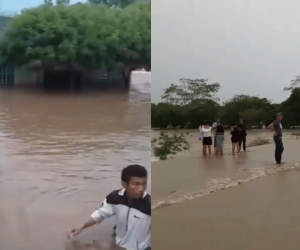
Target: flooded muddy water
60,155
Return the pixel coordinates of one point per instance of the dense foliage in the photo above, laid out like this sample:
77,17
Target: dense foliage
91,35
184,104
170,144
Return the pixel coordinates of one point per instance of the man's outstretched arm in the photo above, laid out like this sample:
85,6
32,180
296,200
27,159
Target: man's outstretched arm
98,216
88,224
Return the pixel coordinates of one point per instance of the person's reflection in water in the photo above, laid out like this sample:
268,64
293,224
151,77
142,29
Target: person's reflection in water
131,207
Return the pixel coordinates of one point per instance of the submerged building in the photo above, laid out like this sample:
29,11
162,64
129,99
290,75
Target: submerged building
7,71
28,75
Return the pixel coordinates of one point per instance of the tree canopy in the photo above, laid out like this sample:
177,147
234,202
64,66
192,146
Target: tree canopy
189,91
194,101
295,83
83,34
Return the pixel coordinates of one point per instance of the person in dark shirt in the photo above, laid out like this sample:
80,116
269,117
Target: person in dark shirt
276,127
235,138
243,133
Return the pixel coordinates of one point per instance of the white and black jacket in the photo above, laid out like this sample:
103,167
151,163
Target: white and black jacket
132,218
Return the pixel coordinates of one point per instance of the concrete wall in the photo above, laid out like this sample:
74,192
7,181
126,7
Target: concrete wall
23,76
95,77
141,81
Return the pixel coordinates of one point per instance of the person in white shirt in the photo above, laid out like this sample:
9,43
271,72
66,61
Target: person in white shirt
206,139
131,208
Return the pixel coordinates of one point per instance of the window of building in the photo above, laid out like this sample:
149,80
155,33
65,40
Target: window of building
104,74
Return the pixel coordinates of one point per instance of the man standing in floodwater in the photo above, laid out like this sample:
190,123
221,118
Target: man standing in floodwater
131,207
276,127
243,133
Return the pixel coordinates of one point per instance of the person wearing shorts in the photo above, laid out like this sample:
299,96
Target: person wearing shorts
206,139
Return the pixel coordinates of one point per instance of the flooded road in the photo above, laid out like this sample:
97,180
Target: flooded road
191,176
229,202
60,155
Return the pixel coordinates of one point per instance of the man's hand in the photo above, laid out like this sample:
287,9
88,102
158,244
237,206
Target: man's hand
74,232
275,133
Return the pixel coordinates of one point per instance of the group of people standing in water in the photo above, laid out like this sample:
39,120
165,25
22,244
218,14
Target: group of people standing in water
214,135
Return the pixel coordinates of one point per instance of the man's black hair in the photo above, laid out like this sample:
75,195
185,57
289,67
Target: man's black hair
133,171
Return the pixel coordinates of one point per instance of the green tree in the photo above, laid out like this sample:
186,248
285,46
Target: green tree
189,91
295,83
291,109
169,144
199,110
253,116
252,108
84,35
164,114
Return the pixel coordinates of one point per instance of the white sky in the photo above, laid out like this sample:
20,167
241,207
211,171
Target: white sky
249,47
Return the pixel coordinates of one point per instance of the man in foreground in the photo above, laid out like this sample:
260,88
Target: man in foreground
131,207
243,133
276,127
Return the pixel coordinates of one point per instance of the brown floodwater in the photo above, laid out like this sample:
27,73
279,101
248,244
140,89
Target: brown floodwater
230,202
262,214
61,153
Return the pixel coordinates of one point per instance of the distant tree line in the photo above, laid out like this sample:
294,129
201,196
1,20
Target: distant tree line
109,3
194,101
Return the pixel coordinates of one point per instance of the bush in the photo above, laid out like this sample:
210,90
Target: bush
169,144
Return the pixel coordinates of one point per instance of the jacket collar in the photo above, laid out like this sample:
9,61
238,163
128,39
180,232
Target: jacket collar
122,192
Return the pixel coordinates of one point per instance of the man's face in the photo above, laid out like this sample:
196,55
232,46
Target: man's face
136,187
280,117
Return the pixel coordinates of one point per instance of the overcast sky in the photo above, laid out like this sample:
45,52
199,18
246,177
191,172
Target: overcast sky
15,6
249,47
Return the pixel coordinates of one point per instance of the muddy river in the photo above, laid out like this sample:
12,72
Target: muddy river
61,153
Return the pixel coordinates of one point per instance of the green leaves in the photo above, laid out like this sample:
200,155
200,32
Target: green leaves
291,108
189,91
169,143
84,34
252,109
294,84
